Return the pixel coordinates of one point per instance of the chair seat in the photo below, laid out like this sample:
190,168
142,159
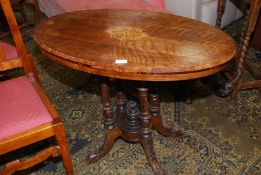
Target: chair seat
21,108
9,50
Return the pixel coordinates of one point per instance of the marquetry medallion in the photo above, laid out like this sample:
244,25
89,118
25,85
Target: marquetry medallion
126,33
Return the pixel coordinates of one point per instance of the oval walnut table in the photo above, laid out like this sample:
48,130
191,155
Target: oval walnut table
134,45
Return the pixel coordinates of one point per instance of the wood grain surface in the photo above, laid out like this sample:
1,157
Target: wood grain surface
135,45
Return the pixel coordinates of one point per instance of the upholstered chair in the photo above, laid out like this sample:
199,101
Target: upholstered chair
26,114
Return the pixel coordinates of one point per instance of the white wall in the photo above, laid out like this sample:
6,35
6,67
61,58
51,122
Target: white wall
203,10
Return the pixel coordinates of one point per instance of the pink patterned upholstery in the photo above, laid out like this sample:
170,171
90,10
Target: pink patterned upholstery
55,7
21,108
9,50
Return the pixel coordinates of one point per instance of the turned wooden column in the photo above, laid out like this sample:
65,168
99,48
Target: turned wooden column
109,120
145,131
234,85
220,12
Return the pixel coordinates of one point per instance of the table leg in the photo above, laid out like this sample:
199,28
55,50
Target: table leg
145,135
113,132
132,124
156,121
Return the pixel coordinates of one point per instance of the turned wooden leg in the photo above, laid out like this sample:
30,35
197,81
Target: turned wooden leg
37,12
121,104
248,28
220,12
232,85
156,121
145,132
110,123
23,13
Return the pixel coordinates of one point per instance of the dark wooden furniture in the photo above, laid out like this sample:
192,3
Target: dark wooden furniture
234,85
134,45
27,115
26,22
34,4
256,38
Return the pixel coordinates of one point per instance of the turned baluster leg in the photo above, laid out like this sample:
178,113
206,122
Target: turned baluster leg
156,120
110,124
128,119
220,12
248,28
231,86
37,12
244,45
121,104
23,13
145,132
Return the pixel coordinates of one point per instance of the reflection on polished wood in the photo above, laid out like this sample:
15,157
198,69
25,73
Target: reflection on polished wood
173,48
134,45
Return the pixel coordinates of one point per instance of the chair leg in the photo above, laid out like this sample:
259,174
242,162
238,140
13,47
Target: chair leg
235,92
36,7
220,12
36,12
26,21
64,148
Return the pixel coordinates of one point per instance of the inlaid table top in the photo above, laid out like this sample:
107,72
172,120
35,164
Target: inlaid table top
136,45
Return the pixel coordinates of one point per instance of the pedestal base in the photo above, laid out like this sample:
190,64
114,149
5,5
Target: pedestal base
133,124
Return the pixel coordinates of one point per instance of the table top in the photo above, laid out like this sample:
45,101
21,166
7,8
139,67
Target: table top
135,45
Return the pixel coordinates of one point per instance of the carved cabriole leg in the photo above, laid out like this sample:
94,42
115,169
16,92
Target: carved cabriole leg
156,120
145,132
220,12
110,123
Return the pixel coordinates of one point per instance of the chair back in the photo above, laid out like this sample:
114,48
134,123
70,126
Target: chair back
26,114
24,58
